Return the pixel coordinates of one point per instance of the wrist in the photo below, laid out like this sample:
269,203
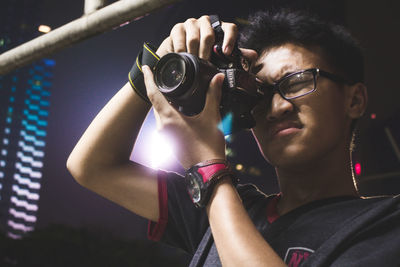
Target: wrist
136,100
202,178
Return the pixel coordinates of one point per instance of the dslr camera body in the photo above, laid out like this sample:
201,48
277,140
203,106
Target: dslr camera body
184,78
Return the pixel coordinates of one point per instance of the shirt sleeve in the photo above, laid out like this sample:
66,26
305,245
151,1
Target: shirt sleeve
156,229
180,224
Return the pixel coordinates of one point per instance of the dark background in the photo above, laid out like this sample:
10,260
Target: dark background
89,73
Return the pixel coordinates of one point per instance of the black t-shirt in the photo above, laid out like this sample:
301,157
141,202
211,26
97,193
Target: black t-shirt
340,231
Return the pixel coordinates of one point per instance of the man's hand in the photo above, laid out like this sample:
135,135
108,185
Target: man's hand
195,138
196,36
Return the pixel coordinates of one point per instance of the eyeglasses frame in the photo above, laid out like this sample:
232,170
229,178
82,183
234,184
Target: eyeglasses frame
316,73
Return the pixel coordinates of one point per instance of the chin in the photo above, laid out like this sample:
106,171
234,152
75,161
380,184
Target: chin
288,156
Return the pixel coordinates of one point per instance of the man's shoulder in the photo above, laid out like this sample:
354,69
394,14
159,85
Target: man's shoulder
373,212
367,221
357,208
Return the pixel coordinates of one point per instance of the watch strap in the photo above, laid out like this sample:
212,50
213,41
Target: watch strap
212,171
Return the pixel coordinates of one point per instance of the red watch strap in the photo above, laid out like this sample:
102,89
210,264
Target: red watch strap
208,171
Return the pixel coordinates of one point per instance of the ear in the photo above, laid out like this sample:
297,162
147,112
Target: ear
357,100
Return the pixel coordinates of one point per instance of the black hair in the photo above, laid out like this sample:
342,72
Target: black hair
340,50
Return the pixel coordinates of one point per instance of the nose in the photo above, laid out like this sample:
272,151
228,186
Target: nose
279,107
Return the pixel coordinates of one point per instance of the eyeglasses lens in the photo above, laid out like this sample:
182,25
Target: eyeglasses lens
297,85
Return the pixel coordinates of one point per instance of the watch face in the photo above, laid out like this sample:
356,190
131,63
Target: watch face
194,190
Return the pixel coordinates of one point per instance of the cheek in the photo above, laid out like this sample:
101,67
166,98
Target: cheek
324,125
327,115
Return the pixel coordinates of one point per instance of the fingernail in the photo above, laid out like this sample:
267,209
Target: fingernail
145,68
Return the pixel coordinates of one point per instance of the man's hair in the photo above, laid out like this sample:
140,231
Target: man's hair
339,49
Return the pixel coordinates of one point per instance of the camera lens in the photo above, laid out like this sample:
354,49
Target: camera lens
183,79
171,73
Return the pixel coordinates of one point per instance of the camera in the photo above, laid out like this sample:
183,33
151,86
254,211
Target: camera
184,78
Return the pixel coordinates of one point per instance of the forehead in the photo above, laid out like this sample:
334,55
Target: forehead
275,62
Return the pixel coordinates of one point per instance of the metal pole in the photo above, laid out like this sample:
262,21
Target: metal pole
95,23
93,5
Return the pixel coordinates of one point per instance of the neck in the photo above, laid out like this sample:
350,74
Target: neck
324,179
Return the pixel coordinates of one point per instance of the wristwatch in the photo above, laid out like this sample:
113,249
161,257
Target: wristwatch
201,179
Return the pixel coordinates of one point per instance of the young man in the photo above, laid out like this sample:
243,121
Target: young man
312,72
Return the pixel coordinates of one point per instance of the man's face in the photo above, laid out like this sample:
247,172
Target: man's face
297,133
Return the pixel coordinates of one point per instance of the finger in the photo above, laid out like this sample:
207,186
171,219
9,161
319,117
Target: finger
178,37
230,36
249,56
155,96
214,93
207,37
165,47
192,36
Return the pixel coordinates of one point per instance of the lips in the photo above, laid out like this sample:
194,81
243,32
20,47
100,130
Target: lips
284,128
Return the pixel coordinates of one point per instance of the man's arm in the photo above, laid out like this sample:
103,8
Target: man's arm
238,241
100,160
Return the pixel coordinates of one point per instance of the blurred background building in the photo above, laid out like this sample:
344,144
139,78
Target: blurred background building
24,110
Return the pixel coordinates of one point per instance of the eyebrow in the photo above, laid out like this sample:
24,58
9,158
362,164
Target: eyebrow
257,68
285,74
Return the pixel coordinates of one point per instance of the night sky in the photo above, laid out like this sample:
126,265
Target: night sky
91,72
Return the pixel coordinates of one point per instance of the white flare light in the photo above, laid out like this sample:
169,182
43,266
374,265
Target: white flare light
161,150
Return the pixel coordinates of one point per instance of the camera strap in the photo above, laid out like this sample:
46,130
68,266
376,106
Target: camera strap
217,26
148,57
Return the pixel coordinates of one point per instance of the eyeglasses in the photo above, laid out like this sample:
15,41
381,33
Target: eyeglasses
300,83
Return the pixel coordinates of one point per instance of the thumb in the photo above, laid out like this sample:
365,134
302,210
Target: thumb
214,92
148,80
155,96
